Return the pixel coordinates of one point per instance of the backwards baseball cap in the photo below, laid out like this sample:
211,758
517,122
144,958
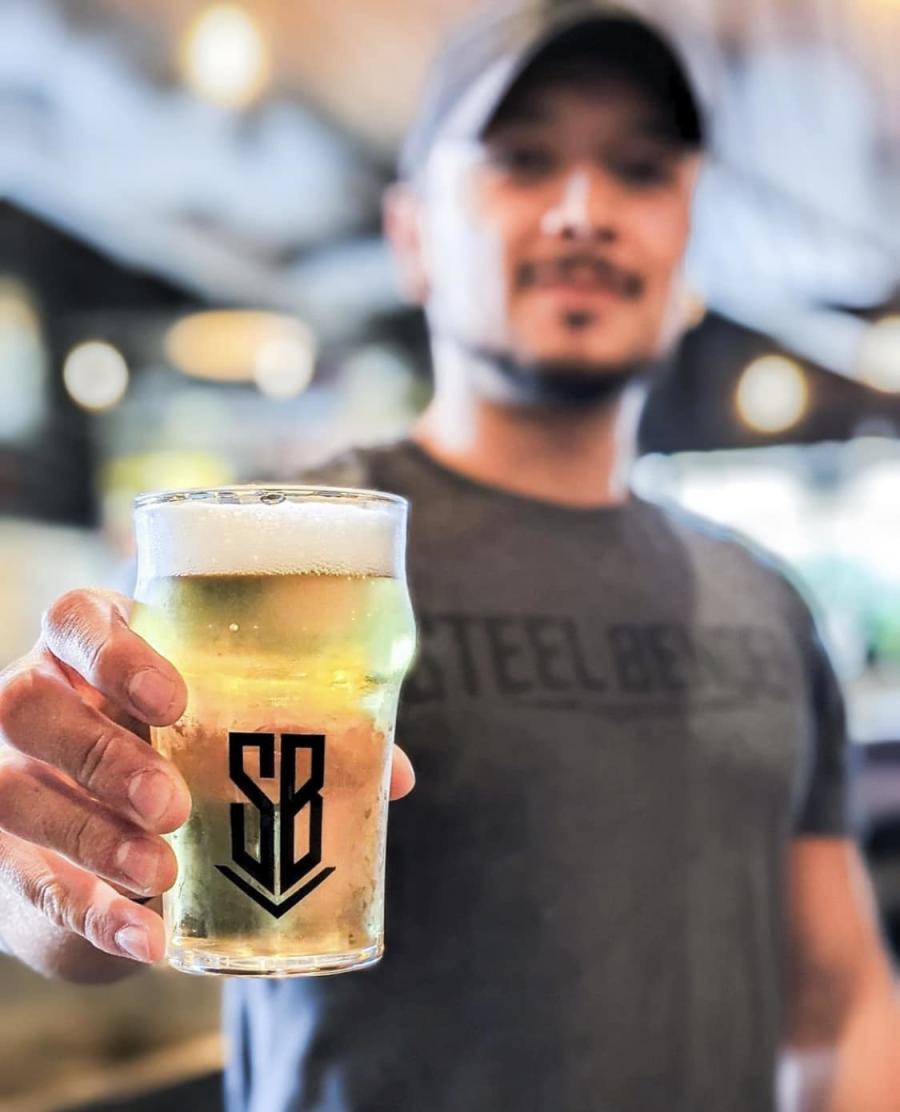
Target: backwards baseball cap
492,51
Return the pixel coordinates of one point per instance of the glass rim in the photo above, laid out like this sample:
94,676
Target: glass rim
243,494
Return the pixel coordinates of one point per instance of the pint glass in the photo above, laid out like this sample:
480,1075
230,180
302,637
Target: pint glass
286,611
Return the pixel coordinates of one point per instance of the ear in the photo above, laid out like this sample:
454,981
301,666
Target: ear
402,213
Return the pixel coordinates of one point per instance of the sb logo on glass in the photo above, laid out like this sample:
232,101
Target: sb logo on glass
276,822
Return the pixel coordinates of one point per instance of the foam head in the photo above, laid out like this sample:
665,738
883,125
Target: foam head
270,531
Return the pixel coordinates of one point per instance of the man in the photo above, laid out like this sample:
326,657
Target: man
629,742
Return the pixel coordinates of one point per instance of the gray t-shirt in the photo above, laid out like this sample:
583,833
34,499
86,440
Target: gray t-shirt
619,718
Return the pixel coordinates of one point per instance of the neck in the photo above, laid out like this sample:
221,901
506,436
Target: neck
578,456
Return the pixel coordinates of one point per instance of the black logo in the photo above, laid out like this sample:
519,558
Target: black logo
292,801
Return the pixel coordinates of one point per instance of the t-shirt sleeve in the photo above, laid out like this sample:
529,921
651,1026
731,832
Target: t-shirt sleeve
826,809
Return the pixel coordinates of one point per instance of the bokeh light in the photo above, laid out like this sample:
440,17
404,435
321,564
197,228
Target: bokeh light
243,345
772,394
95,375
225,58
879,361
23,362
284,364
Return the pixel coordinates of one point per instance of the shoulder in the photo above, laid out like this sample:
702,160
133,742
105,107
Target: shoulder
730,555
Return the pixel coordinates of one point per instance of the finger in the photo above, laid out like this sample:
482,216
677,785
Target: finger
37,805
41,717
88,631
76,901
403,777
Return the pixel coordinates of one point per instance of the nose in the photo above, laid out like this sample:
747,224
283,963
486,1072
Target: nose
576,214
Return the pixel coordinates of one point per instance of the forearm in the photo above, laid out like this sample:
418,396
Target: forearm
866,1071
846,1057
29,937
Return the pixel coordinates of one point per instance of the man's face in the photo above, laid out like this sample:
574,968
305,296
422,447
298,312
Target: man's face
556,240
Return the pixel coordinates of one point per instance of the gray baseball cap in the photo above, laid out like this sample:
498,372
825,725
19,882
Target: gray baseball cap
492,50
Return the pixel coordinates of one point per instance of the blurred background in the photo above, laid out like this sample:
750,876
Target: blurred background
194,289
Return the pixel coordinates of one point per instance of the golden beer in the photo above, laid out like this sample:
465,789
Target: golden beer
293,674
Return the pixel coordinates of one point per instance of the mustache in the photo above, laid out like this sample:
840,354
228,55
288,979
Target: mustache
565,268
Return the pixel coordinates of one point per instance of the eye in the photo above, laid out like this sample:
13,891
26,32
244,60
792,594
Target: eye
642,171
523,160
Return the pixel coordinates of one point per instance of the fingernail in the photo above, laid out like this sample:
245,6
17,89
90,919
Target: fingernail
151,692
135,942
151,794
138,863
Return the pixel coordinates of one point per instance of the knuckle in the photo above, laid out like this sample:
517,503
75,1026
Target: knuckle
96,927
110,660
104,657
16,693
81,837
74,625
10,785
65,614
8,871
94,756
48,895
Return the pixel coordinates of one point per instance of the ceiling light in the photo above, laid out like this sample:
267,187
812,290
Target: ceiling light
224,56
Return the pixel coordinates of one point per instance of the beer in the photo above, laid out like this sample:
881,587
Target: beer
288,616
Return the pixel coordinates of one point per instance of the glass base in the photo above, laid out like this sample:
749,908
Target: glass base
197,959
